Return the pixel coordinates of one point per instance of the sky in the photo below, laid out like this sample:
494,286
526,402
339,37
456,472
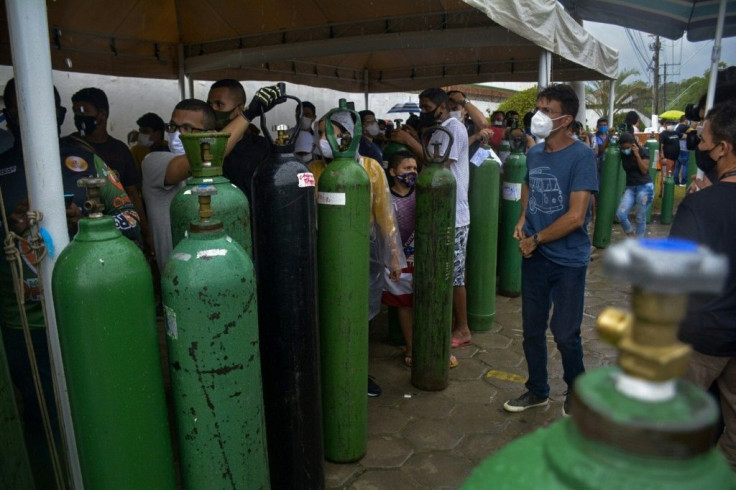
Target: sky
684,59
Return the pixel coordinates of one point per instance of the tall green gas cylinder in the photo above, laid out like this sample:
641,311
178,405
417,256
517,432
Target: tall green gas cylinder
608,196
668,199
343,237
634,425
284,231
482,243
209,297
106,315
692,169
206,153
504,150
509,258
653,146
434,245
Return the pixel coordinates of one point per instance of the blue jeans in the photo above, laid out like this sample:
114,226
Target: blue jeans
642,196
681,167
545,284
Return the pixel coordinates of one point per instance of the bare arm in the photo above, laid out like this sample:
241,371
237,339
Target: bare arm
519,228
642,163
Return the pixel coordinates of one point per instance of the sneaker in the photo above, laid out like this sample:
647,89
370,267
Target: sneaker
373,388
566,405
525,401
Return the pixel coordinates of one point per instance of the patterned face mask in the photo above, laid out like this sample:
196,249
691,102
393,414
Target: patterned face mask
409,179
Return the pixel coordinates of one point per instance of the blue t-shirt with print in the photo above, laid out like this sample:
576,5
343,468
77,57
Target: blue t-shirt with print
551,178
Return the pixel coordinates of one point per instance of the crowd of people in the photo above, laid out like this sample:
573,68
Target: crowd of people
143,177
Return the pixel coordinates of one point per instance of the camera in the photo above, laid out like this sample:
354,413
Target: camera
725,89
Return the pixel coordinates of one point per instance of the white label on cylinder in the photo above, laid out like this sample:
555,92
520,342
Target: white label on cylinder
331,198
511,191
181,256
306,179
171,328
214,252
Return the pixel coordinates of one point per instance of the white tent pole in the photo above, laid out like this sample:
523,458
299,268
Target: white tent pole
579,88
544,68
611,97
182,74
715,56
28,28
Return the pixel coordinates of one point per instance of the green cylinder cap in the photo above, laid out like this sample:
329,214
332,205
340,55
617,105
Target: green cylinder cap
206,152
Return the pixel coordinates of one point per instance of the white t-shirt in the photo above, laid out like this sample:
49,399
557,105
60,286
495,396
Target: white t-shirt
157,197
459,165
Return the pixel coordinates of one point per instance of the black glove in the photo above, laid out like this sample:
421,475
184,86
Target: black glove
263,101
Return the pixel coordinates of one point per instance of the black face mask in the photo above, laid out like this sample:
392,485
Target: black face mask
428,118
704,161
86,125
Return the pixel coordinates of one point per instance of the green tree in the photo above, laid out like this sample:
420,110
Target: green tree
636,95
521,102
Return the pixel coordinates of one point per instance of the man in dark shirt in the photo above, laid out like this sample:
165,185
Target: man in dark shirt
708,217
370,130
91,112
227,99
669,152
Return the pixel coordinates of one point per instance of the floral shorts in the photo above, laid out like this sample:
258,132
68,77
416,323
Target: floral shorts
461,245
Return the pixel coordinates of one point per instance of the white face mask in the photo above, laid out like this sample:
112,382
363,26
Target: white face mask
306,123
373,129
175,145
145,140
326,150
498,122
457,115
542,124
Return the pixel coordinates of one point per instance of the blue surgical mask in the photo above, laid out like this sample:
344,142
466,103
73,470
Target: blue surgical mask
626,151
603,129
175,145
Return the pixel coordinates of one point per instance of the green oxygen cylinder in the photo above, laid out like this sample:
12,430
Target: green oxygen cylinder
209,295
343,237
482,251
509,258
206,153
692,169
653,146
608,195
106,315
504,150
434,245
668,200
634,425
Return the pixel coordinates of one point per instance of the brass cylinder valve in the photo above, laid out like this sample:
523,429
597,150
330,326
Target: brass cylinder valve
94,204
663,273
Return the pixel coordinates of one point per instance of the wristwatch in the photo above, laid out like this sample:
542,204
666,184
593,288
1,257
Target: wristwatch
465,101
535,237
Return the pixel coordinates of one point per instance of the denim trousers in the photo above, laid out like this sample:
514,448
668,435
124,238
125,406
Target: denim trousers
642,196
545,284
681,167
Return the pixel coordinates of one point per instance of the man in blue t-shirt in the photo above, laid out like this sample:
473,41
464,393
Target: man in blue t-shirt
554,241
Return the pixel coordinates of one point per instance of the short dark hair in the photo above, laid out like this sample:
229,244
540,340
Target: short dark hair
151,120
10,97
565,95
722,119
399,157
365,113
627,137
436,95
306,104
450,92
498,112
528,119
512,113
94,96
236,88
197,105
632,118
600,120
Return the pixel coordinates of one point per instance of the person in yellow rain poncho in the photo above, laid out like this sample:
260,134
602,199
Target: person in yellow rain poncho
386,249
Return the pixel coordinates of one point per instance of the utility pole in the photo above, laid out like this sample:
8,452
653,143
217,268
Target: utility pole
655,89
664,89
